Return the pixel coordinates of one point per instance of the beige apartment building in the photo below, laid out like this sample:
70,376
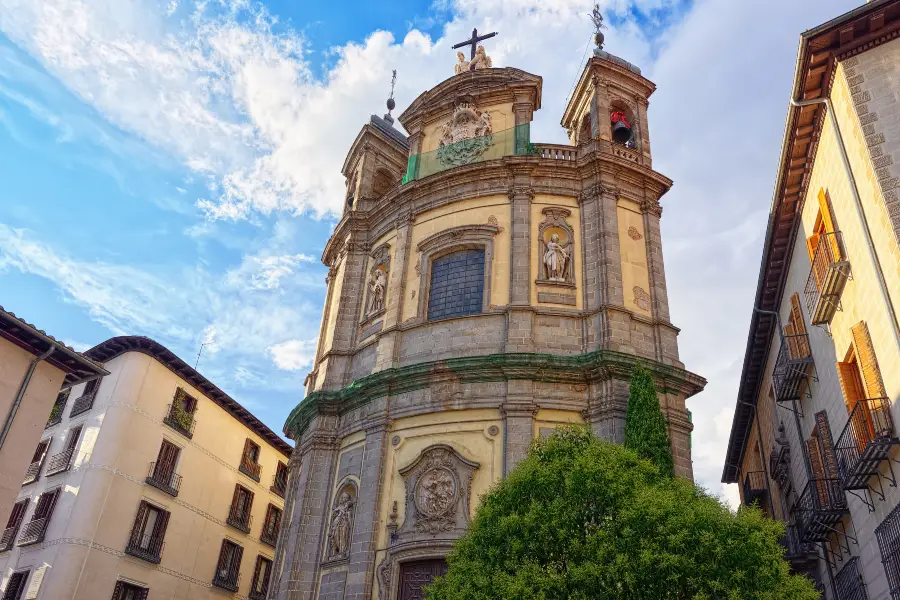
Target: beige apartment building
33,369
815,435
148,483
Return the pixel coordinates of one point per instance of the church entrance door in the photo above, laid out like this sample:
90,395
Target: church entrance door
414,576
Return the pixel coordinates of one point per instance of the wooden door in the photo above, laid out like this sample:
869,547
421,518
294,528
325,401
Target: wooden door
415,576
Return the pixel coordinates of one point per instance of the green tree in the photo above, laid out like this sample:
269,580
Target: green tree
582,519
646,429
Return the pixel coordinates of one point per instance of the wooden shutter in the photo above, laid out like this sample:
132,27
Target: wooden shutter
46,504
162,522
223,556
823,428
850,384
17,514
140,522
72,440
812,244
825,211
797,315
15,586
235,565
119,591
168,456
818,469
868,363
41,451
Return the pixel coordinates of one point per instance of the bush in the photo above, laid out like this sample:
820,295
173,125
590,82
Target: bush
646,429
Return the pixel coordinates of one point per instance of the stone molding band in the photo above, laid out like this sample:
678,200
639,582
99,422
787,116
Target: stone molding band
598,365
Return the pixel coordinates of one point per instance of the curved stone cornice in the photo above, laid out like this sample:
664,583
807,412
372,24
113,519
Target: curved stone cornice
587,368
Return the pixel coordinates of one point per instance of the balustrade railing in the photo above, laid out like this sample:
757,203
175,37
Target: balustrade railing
827,277
865,442
556,151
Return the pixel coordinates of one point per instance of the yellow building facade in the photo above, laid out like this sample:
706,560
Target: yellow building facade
814,440
149,482
482,291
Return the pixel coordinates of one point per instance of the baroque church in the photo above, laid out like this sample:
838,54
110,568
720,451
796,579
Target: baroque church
483,289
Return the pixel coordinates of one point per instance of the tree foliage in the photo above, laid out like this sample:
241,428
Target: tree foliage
646,429
582,519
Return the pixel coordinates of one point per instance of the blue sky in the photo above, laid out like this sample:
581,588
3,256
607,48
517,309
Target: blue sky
170,168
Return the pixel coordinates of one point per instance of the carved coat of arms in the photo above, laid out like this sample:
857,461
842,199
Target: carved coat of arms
466,136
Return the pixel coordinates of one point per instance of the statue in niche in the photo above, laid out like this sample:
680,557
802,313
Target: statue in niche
341,525
556,260
462,66
481,60
376,289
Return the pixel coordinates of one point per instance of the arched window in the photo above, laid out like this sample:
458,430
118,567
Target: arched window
621,122
457,284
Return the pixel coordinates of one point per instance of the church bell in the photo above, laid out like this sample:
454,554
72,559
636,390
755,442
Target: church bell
621,132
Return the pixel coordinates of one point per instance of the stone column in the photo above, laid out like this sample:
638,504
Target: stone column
337,372
600,110
644,123
361,573
518,412
304,542
387,354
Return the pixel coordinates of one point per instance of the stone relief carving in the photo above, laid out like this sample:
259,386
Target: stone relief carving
634,234
376,286
437,493
557,244
341,525
641,297
466,136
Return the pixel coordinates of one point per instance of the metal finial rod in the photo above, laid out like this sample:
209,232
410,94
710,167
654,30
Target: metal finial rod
393,82
597,19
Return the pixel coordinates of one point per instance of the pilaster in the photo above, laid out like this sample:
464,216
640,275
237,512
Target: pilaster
518,412
519,327
387,354
664,337
349,309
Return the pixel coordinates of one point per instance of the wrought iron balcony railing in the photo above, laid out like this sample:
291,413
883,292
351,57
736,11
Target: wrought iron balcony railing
754,487
55,416
249,468
821,505
269,535
180,420
791,366
8,538
164,479
240,519
796,551
828,275
33,472
145,547
780,464
227,579
888,534
60,462
849,582
33,532
865,442
279,484
83,404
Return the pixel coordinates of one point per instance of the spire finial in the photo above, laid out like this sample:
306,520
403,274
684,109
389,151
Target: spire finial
597,19
390,101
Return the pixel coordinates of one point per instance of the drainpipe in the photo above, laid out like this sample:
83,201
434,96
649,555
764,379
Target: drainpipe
21,393
860,211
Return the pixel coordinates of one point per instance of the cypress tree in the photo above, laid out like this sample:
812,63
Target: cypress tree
646,429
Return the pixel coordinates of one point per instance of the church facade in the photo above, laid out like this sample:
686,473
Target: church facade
482,290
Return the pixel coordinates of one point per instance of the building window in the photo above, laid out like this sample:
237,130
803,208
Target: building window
12,524
228,569
888,534
279,481
148,533
59,406
239,514
62,461
129,591
261,574
37,462
250,460
181,415
162,471
271,526
34,531
457,284
16,585
85,402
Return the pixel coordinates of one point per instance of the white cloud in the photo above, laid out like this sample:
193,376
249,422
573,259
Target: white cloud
293,355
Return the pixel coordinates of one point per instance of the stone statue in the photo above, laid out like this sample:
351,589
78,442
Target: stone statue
376,287
481,60
556,259
341,524
484,126
462,66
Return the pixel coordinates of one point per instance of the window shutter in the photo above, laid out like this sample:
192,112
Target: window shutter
45,505
797,315
246,453
137,530
223,555
162,522
41,451
829,462
142,594
235,565
818,469
119,591
72,440
812,244
827,214
17,514
865,355
168,456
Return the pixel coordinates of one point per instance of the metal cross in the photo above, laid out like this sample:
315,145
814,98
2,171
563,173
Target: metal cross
474,41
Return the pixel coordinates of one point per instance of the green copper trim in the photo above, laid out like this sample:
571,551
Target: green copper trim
547,368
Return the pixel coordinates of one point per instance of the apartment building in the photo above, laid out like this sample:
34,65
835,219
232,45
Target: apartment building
150,482
814,440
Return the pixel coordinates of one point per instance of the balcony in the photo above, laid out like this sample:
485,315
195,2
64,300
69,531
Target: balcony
556,151
791,366
163,479
33,472
8,538
33,532
821,505
865,442
55,416
84,403
755,489
60,462
780,465
145,547
249,468
801,555
240,519
227,579
269,535
279,484
180,420
827,277
849,582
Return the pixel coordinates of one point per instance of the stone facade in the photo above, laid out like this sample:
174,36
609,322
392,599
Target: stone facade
416,417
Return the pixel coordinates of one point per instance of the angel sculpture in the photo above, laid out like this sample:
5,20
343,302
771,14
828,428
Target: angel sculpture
556,260
484,126
481,60
462,66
